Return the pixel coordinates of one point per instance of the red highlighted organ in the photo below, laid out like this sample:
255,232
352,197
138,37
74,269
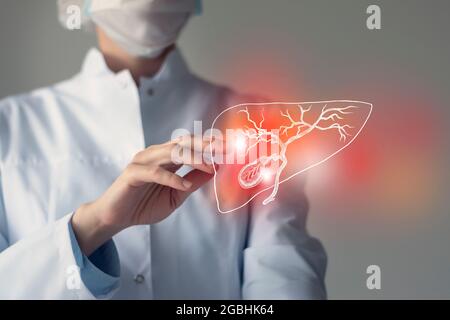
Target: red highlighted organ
267,144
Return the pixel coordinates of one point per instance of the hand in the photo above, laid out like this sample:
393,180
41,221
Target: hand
147,192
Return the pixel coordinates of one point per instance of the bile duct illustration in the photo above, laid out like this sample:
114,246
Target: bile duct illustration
273,142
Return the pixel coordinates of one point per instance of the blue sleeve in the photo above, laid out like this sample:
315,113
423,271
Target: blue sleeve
100,272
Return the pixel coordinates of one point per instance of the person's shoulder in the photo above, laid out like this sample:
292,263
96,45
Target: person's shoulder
18,101
18,111
14,104
34,99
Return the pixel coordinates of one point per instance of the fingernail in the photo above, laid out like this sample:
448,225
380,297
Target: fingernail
187,184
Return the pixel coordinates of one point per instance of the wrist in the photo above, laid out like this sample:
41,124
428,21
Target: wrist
90,229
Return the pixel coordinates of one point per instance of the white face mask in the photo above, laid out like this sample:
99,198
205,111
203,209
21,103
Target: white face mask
143,28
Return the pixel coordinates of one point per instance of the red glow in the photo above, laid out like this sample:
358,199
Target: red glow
390,165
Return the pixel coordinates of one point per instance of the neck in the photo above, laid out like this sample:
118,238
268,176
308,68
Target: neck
118,59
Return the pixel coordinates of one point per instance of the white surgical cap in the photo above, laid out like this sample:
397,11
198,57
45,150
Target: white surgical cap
67,8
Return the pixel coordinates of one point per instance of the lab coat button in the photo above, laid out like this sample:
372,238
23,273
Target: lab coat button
139,279
150,91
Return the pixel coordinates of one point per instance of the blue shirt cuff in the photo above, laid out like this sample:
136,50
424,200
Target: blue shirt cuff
100,272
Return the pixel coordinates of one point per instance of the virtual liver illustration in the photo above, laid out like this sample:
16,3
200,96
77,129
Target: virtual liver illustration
268,144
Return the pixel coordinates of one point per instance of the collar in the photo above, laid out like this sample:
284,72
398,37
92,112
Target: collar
173,68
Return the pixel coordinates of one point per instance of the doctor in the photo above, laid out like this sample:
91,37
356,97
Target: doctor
90,205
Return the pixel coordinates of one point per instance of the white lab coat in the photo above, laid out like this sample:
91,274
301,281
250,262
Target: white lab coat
63,145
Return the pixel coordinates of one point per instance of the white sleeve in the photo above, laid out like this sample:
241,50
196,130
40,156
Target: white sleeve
41,266
282,261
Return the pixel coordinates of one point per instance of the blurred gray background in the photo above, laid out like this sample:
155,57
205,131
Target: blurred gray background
397,214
